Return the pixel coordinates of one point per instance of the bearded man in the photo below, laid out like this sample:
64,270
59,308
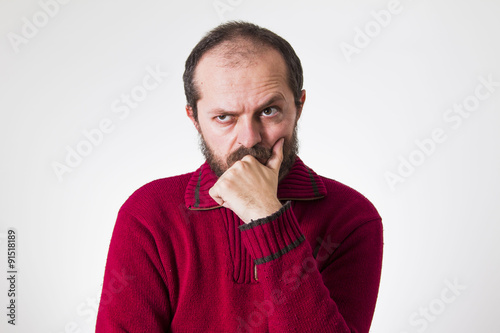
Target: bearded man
254,240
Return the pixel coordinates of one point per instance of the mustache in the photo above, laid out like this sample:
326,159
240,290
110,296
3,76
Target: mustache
262,154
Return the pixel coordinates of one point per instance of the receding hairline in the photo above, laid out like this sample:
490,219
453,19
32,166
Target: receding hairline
238,48
237,52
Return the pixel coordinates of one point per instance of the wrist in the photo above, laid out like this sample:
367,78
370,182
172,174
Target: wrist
269,210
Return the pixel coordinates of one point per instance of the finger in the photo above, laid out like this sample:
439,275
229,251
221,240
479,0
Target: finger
276,158
214,194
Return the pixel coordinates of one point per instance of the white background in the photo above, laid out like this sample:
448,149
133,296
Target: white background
363,113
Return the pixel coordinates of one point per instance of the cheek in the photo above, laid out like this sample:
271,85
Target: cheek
219,143
283,129
220,147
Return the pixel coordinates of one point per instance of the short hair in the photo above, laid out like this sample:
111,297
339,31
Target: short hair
237,30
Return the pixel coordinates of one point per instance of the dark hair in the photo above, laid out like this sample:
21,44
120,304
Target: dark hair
242,30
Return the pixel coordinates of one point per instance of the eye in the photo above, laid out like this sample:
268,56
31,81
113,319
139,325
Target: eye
223,118
270,111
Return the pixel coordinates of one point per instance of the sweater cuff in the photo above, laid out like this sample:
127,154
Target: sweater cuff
271,237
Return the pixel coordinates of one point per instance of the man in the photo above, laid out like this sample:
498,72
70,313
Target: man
254,240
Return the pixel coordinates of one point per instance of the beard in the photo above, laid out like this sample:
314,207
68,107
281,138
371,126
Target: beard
262,154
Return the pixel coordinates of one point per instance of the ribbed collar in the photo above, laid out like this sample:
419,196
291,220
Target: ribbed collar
301,183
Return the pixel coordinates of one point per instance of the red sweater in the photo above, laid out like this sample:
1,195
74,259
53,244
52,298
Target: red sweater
178,262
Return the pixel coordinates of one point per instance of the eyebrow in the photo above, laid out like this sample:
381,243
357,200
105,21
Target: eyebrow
273,99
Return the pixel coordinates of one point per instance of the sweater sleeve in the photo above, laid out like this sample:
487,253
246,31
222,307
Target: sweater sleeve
134,296
301,298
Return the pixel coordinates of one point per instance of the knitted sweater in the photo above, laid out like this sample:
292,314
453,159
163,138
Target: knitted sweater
178,262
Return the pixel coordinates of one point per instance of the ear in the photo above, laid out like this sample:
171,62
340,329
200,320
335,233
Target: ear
302,101
190,114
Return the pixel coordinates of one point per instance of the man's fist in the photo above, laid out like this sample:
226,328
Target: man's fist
250,188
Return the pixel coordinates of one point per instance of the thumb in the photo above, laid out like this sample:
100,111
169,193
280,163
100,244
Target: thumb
276,158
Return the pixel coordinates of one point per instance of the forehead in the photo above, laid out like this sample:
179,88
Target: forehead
239,68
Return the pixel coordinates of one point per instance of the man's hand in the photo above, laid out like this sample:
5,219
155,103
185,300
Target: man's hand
249,188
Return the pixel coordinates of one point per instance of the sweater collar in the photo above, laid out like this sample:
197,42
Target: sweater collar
301,183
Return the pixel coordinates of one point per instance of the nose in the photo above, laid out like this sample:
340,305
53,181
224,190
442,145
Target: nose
249,132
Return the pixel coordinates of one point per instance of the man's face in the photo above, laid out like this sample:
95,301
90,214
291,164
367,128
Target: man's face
245,107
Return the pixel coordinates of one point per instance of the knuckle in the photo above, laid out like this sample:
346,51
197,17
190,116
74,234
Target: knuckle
230,172
247,158
241,164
